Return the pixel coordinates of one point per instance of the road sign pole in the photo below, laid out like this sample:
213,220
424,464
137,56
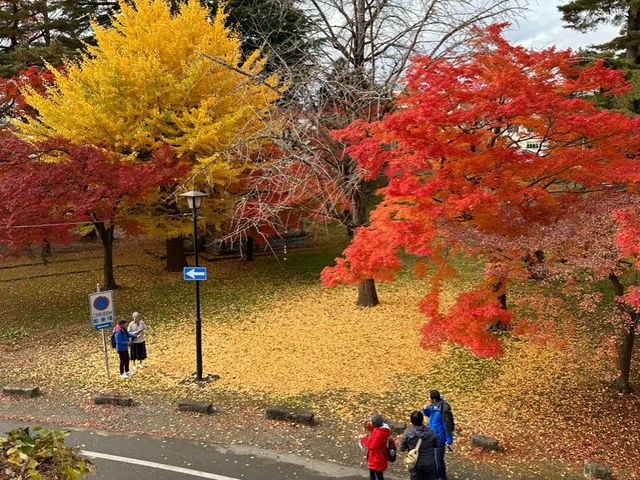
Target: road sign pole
106,354
104,343
198,322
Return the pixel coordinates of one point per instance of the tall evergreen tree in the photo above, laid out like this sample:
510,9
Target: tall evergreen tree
585,15
36,31
280,28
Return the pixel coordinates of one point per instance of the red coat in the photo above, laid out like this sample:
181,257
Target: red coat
376,444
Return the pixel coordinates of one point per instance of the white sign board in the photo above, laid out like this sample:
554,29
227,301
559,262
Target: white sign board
102,312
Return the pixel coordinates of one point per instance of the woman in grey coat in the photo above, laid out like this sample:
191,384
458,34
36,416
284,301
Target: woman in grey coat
425,468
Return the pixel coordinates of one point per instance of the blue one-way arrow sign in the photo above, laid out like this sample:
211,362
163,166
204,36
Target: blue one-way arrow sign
194,273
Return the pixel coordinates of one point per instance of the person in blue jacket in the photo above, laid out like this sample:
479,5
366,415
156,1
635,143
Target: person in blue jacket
122,337
441,422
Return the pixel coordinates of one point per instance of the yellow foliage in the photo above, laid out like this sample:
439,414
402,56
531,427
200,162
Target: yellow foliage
154,78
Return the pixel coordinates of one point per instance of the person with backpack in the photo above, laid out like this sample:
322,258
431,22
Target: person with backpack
376,444
441,422
120,338
421,440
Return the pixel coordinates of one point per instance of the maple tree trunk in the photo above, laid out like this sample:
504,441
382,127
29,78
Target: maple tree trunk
503,301
622,383
176,258
106,237
367,294
502,297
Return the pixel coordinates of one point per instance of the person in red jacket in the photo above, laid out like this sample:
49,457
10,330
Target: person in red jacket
376,445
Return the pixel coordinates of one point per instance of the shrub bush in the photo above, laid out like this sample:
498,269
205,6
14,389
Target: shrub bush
40,455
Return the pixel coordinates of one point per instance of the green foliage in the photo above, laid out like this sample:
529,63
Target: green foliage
35,32
278,28
41,455
12,334
586,15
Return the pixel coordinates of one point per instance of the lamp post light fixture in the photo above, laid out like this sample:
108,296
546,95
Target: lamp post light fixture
194,200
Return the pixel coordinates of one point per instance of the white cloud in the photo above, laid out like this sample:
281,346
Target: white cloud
543,27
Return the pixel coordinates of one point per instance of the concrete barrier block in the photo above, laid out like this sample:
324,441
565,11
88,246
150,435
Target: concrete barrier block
111,399
486,443
290,415
196,406
597,470
26,391
398,427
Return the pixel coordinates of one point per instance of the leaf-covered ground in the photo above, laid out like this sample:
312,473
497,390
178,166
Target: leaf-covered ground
273,334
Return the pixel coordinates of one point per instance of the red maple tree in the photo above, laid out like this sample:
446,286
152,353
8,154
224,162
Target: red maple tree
12,102
49,189
487,155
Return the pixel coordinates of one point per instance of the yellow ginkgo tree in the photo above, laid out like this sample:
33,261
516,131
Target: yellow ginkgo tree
154,79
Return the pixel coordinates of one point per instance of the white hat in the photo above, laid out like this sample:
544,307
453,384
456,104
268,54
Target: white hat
136,314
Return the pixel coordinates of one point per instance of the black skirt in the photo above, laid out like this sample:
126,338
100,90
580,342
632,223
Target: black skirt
138,351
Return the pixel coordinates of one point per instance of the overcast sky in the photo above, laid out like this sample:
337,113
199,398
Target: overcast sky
543,27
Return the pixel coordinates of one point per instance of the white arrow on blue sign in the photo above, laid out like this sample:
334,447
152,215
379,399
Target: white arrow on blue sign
194,273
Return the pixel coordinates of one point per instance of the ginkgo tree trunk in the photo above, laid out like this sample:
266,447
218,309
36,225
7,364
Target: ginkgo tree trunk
159,78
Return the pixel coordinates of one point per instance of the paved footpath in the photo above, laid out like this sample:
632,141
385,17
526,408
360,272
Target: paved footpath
122,456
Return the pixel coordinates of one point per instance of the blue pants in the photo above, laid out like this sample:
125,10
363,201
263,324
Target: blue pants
441,468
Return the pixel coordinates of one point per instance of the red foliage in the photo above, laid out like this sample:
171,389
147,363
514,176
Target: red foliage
11,100
83,184
466,324
628,235
632,298
462,179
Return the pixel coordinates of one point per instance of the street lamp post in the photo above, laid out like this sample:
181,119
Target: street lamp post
194,200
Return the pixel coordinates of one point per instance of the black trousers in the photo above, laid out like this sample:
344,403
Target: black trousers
124,361
375,475
423,473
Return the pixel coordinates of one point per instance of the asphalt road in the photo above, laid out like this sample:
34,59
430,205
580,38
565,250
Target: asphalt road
133,457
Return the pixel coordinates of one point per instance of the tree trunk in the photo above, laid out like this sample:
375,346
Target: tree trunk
367,295
498,287
535,265
176,258
502,298
622,383
625,354
106,237
249,249
633,30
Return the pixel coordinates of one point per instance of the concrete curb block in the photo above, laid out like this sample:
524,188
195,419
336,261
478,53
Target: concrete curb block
290,415
597,470
486,443
110,399
398,427
196,406
29,391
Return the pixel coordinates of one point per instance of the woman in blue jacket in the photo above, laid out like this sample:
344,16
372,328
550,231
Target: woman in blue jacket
441,422
122,337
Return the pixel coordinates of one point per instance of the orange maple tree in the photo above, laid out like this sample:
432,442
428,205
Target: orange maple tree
486,155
